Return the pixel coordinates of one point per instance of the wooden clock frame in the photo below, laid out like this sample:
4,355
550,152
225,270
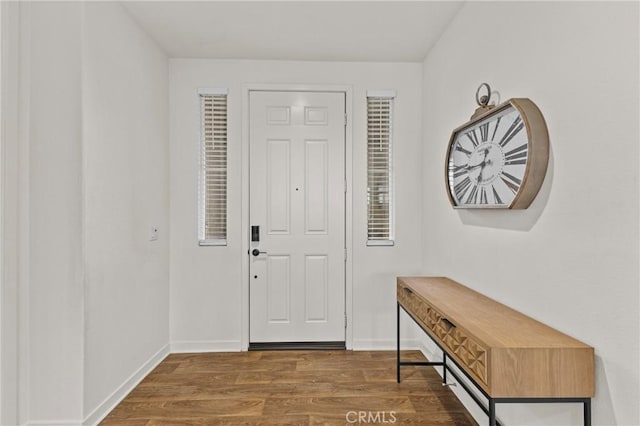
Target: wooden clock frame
537,146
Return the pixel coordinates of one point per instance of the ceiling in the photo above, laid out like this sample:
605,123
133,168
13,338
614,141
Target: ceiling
386,31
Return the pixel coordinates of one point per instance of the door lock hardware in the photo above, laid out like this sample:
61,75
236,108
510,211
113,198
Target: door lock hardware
257,252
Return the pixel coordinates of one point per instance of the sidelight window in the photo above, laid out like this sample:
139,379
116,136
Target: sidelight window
380,189
213,168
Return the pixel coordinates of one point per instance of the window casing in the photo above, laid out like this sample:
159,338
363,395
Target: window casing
212,221
380,182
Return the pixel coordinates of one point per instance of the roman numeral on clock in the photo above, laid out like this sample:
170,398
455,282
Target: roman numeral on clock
496,197
483,196
461,149
459,170
462,187
515,162
459,173
473,195
473,137
515,128
484,132
512,182
495,129
516,156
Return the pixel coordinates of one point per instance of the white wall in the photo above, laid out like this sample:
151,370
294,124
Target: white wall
89,177
206,305
126,188
54,310
571,259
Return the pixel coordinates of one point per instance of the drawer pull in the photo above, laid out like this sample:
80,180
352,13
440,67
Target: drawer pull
407,290
448,323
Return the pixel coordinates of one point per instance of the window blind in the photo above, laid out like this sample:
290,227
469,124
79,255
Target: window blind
380,191
213,168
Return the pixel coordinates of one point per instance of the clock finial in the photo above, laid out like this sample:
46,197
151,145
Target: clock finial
482,101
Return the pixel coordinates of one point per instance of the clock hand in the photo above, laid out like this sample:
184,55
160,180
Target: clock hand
475,166
484,161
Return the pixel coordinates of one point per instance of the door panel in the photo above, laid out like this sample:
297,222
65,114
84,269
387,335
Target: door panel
278,186
316,282
279,289
297,285
316,191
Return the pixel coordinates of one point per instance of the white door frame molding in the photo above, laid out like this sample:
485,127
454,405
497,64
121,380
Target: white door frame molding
348,91
10,153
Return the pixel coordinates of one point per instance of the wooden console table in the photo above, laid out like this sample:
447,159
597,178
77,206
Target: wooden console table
508,356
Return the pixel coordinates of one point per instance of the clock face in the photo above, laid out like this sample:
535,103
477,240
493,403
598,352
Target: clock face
488,160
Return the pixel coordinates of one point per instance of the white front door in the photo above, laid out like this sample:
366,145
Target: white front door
297,199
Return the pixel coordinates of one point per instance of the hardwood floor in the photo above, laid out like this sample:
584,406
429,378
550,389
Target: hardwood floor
289,388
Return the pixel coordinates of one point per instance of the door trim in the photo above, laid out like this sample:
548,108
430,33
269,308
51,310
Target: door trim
13,380
348,92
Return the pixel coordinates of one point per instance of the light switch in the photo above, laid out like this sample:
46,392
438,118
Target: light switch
153,233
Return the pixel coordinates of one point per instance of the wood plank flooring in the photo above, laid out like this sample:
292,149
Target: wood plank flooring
289,388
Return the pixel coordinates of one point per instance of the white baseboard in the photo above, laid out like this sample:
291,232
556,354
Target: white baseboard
55,423
199,346
428,352
101,411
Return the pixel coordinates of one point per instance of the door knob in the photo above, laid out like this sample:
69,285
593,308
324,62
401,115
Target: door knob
257,252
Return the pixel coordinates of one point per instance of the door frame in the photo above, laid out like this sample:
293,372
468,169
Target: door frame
348,158
13,383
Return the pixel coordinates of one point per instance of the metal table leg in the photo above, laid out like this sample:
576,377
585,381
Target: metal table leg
492,412
444,368
587,412
398,341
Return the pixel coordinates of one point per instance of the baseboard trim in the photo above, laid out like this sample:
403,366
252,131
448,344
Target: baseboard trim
54,423
199,346
101,411
427,352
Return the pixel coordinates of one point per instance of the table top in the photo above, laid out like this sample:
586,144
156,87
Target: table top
495,324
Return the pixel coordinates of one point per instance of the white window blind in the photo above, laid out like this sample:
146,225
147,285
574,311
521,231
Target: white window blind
213,168
380,191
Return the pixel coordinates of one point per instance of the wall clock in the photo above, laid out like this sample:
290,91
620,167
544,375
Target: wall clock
499,158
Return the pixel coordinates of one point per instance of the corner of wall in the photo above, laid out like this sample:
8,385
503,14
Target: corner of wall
109,403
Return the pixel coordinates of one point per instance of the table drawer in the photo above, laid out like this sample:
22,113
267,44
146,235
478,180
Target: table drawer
460,346
412,303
